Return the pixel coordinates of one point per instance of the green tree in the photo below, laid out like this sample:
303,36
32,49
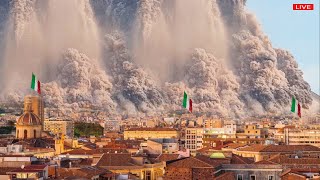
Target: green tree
87,129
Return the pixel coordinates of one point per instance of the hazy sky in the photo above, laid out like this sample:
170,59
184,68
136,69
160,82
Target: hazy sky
297,31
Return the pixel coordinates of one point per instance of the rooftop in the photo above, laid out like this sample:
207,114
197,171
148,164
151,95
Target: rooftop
286,160
240,160
30,168
211,161
280,148
87,172
151,129
115,160
189,162
95,151
167,157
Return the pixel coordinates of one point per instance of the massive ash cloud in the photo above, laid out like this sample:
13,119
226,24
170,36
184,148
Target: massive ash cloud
79,84
138,56
134,89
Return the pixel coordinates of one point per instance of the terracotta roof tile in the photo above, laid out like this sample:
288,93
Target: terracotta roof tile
212,162
93,170
95,151
264,162
167,157
4,170
77,152
253,148
189,162
241,160
29,168
233,145
313,170
188,168
108,150
290,148
86,173
202,173
285,160
76,162
280,148
151,129
225,176
115,160
298,172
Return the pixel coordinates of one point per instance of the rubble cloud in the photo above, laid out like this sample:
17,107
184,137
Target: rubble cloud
137,57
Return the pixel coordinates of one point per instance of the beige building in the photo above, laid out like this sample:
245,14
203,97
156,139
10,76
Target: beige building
59,126
263,152
147,133
37,105
159,146
125,163
252,131
302,136
213,123
193,139
29,124
59,144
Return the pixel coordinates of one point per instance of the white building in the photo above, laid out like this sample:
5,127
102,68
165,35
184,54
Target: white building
112,125
162,145
302,136
193,139
230,126
59,126
12,148
228,130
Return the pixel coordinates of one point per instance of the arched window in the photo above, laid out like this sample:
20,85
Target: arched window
34,134
25,134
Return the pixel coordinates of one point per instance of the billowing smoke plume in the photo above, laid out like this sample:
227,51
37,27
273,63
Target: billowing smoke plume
139,56
38,32
214,87
134,88
79,84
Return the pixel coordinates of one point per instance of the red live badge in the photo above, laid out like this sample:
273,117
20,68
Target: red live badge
303,7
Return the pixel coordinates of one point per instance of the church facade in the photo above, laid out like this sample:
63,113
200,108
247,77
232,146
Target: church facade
29,124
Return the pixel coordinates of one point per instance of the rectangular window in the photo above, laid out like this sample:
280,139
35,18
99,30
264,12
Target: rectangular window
239,177
270,177
252,177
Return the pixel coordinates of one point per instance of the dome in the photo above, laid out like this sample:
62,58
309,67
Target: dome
29,118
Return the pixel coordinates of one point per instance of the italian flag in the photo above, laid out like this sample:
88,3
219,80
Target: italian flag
187,102
294,106
35,84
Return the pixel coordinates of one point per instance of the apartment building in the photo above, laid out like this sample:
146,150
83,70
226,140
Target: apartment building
213,123
153,133
302,136
252,131
59,126
193,139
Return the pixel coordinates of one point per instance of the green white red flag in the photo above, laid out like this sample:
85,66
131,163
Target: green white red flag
187,102
35,84
294,106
